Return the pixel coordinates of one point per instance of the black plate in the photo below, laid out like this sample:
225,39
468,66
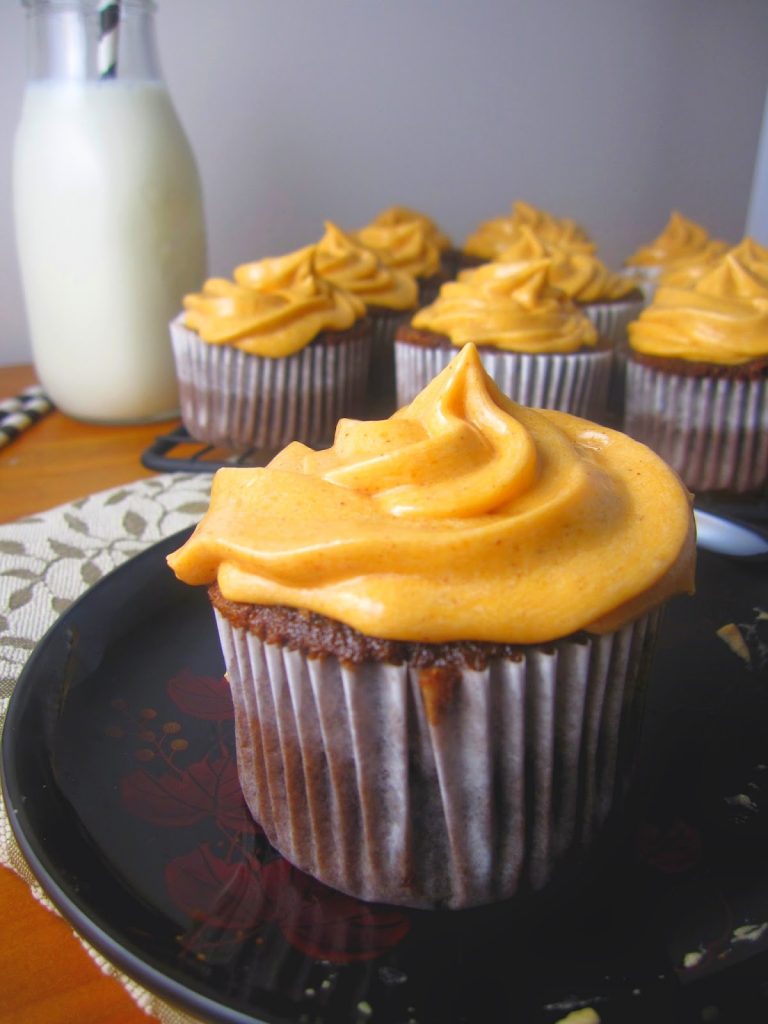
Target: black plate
119,777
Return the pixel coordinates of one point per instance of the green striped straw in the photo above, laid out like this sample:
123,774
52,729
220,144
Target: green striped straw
109,25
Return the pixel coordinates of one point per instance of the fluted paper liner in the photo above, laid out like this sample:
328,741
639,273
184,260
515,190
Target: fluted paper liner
575,382
611,320
236,400
381,374
354,784
714,432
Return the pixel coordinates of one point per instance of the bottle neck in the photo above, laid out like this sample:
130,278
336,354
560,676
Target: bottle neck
66,40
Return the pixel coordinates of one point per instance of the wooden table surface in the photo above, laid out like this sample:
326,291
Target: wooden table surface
45,975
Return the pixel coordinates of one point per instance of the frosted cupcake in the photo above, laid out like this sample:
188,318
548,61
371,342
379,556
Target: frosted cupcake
395,215
411,242
610,300
436,634
494,237
686,273
680,242
697,378
390,296
276,360
538,347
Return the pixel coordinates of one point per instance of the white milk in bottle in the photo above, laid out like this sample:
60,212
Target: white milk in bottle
110,236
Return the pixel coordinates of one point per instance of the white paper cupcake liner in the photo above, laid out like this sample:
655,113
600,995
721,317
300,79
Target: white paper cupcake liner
611,320
381,374
647,278
577,382
714,432
235,400
354,784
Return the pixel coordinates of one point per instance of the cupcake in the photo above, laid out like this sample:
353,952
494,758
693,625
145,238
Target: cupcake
610,300
538,347
685,273
411,242
391,296
437,634
494,237
264,363
394,215
681,241
697,387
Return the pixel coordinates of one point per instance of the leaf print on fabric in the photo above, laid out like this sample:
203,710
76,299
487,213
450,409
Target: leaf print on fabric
90,573
20,643
65,550
194,508
134,524
20,597
12,547
76,524
117,497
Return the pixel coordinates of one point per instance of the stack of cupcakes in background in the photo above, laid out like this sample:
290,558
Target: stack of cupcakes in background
697,377
271,356
537,345
437,635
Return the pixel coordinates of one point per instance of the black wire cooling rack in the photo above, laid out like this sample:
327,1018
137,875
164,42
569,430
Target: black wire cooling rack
177,451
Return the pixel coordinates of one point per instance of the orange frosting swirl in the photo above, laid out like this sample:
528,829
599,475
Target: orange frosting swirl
681,239
345,262
494,237
348,264
462,517
579,273
685,272
722,319
511,306
394,215
409,246
273,313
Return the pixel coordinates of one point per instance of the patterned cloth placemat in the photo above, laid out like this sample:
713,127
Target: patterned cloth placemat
49,560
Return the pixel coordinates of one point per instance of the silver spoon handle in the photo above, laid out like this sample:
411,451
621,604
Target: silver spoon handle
726,537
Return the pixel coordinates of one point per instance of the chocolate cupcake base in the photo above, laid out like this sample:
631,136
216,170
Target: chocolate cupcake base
235,400
443,785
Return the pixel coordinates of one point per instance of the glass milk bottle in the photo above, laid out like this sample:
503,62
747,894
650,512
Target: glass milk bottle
108,210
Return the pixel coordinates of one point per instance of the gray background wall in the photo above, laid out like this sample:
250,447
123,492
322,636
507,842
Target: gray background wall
613,112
